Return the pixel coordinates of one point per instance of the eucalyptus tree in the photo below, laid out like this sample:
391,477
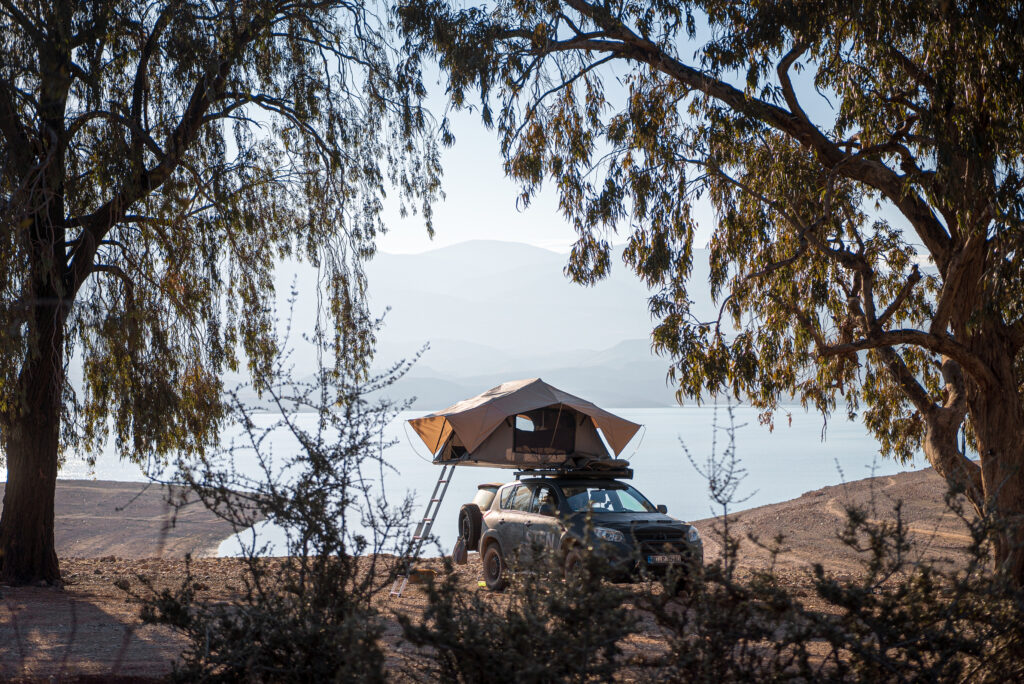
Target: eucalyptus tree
157,160
864,161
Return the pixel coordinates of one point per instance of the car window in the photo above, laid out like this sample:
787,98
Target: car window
506,497
545,502
521,499
606,499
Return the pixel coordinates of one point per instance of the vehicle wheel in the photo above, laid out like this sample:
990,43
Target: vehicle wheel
573,565
494,568
470,520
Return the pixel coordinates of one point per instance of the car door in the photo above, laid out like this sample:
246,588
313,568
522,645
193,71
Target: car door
514,520
494,519
543,527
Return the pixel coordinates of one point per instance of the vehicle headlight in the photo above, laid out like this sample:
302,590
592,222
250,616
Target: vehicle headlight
693,536
608,534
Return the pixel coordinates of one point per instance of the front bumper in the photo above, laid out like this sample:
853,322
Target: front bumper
627,562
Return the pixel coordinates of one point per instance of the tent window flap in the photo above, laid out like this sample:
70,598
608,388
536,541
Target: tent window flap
544,430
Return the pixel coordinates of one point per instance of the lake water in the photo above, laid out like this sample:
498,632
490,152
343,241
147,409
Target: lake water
798,456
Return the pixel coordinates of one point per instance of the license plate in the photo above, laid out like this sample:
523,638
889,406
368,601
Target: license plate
665,558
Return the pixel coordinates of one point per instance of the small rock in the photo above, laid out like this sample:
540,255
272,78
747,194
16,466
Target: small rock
421,576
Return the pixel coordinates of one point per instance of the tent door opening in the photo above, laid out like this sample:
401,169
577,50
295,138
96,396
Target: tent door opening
544,431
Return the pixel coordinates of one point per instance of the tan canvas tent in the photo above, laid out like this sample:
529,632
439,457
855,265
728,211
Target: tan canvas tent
523,424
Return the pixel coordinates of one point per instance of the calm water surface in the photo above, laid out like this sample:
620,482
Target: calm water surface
798,456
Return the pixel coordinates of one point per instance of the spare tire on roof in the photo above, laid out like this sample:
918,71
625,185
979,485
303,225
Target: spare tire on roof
470,521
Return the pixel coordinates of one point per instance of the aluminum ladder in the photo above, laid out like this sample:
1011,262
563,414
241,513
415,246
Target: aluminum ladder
424,527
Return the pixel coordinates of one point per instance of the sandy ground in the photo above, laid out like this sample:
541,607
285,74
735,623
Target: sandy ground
89,631
96,518
810,524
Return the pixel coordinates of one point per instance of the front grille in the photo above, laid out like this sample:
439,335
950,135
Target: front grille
665,547
656,534
659,540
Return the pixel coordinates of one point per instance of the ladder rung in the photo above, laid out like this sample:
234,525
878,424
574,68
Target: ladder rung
424,526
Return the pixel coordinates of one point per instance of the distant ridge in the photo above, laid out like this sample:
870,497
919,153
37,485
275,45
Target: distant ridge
490,311
493,311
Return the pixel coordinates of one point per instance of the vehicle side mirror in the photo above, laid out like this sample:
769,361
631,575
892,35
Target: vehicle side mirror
663,509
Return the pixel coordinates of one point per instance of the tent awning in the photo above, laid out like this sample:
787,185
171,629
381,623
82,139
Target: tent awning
472,420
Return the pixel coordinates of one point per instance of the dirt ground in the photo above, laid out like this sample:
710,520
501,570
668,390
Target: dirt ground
810,524
97,518
90,631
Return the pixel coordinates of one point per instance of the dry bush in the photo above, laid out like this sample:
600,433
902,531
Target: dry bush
540,629
902,618
308,616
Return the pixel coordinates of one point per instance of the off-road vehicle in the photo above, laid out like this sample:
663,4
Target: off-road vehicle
567,513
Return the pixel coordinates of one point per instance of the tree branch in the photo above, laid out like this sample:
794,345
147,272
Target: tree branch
913,279
629,45
208,89
767,270
130,125
24,21
907,381
956,286
14,133
117,271
782,71
139,84
940,344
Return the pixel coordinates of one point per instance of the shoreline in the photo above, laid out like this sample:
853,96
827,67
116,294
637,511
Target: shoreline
133,520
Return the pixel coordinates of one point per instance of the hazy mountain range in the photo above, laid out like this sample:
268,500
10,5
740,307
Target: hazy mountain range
495,311
492,311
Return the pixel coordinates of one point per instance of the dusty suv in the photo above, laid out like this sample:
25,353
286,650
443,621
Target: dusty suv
565,514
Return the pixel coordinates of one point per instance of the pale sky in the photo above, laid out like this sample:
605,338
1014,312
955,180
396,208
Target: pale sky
480,202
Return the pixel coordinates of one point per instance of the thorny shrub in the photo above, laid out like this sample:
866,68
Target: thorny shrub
903,618
307,616
541,629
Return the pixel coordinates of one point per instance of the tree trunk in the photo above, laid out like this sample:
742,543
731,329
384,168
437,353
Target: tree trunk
996,488
943,453
27,550
32,424
999,425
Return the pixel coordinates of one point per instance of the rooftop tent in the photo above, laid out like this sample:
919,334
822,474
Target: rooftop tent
523,424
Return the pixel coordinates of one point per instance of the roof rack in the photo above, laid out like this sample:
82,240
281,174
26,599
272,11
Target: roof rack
582,473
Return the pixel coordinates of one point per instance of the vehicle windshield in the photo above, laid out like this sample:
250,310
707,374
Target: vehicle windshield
607,500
